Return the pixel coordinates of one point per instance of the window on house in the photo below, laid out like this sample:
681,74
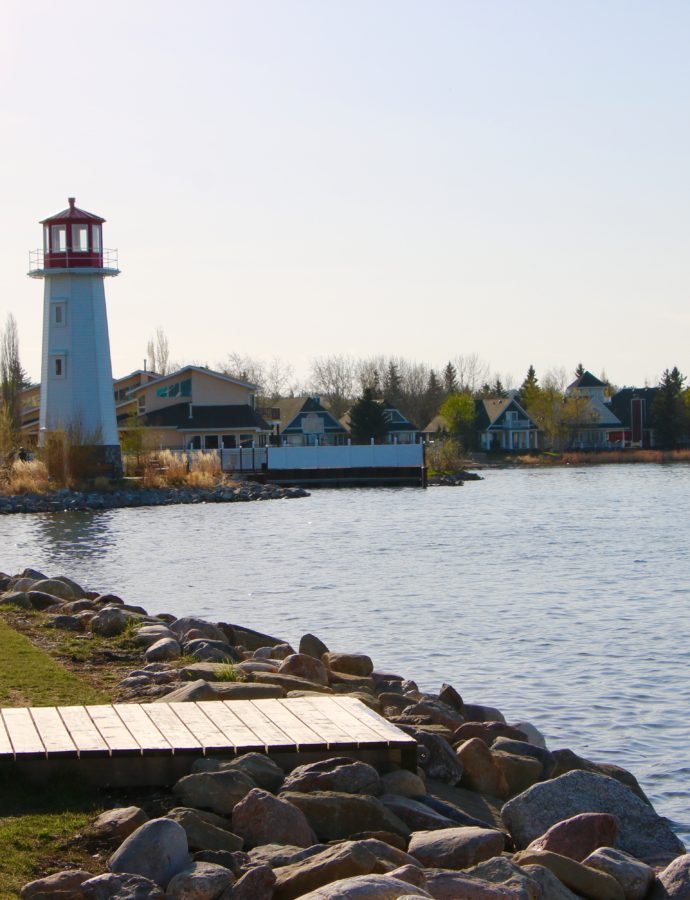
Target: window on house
194,442
229,442
80,238
211,442
178,389
141,404
58,236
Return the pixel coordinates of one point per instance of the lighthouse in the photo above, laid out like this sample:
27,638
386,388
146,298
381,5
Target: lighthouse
76,375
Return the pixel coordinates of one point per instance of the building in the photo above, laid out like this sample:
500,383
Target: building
593,423
399,429
304,422
76,393
193,408
502,424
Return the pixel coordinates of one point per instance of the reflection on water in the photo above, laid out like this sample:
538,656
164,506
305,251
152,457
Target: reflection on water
558,596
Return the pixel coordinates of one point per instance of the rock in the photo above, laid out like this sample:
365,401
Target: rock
455,848
164,649
261,818
192,691
567,761
450,696
120,887
334,816
33,574
109,622
250,639
435,713
340,861
549,887
157,850
56,587
200,881
117,823
256,884
643,833
277,855
404,783
289,682
444,884
474,712
251,665
348,684
350,663
238,690
674,882
217,791
67,623
415,814
281,651
534,736
77,590
437,758
210,651
54,885
480,772
235,861
41,600
367,887
149,634
387,856
577,837
180,627
310,645
338,774
487,732
523,748
304,666
634,876
16,598
205,834
580,879
265,773
518,772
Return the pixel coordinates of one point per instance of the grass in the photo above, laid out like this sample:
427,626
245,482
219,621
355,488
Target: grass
225,672
37,826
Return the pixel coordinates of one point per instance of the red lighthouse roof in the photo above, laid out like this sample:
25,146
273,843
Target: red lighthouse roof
72,214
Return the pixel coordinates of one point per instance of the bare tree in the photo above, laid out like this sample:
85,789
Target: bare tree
472,372
158,353
333,377
245,368
279,379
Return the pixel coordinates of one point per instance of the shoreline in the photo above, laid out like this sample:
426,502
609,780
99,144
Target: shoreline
470,760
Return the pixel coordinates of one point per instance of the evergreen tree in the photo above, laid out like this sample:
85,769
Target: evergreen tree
579,371
392,385
368,420
529,389
450,380
669,411
432,398
497,388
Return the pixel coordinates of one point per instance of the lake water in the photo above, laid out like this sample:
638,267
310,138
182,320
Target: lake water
559,596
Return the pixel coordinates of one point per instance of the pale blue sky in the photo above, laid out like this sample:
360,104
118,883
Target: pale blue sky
307,177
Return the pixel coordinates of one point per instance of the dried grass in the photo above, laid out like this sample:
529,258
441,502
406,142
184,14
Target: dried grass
28,477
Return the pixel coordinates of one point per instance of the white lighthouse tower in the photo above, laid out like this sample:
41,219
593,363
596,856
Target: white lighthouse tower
76,374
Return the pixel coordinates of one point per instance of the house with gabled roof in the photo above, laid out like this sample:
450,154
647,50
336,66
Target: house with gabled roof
634,409
304,422
196,408
597,425
502,424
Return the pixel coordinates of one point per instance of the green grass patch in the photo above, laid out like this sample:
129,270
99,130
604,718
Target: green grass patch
225,672
29,677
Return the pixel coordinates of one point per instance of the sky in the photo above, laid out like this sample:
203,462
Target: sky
303,178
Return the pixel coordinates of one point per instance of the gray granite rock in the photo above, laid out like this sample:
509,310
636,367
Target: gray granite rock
200,881
120,887
217,791
634,876
157,850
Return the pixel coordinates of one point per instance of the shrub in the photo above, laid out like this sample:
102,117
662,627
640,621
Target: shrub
28,477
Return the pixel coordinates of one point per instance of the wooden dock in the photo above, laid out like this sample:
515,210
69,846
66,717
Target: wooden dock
156,743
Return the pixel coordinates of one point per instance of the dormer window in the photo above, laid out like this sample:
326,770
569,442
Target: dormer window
58,238
80,238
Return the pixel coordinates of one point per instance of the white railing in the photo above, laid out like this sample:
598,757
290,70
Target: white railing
102,259
246,459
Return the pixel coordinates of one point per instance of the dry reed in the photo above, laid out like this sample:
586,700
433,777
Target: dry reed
27,477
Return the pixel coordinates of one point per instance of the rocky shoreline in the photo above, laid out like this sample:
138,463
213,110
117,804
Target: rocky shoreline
491,813
68,500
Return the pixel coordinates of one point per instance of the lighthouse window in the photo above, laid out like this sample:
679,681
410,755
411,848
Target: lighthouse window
80,238
60,314
96,238
59,366
58,234
46,239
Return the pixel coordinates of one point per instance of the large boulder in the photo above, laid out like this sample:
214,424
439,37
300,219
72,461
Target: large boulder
643,833
340,861
523,748
304,666
580,879
56,885
109,622
157,850
416,814
480,772
217,791
56,587
190,691
118,887
312,646
261,818
634,876
455,848
334,816
206,831
341,774
163,650
265,773
256,884
436,757
368,887
674,882
181,627
117,823
349,663
576,838
200,881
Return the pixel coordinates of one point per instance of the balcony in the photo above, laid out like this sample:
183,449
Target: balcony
80,263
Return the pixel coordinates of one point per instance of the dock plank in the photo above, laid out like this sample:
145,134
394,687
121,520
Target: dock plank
6,750
22,732
113,730
54,735
195,719
87,738
142,729
166,720
241,738
254,717
381,726
350,723
301,733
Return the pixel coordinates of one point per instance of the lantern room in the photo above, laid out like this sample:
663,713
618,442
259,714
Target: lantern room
73,239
